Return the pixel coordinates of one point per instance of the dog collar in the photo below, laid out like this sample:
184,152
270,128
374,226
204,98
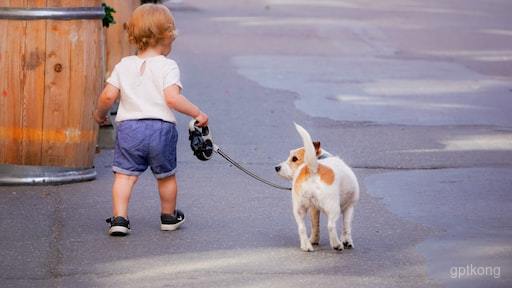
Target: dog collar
323,156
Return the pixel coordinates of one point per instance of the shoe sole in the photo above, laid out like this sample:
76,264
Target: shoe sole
171,227
118,231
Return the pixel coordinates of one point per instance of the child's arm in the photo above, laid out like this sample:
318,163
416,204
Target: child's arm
105,102
180,103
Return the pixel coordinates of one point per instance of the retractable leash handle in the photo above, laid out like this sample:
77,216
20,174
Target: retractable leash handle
201,142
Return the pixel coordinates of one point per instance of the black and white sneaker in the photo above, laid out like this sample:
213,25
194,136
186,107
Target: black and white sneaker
119,226
171,222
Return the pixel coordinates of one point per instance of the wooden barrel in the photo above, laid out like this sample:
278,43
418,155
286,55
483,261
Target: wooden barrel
51,74
116,37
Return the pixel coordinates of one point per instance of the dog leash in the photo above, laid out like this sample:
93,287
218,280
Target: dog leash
217,149
201,143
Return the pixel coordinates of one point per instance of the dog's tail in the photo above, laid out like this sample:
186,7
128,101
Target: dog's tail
310,152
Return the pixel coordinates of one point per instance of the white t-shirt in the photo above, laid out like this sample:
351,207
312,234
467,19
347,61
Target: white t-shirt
142,83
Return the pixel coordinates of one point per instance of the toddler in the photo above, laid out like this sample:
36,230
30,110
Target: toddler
148,85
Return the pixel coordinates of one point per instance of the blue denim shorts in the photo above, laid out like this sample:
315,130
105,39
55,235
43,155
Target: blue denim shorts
145,142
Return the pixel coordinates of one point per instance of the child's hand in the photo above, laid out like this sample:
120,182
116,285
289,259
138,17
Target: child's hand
202,119
105,102
100,120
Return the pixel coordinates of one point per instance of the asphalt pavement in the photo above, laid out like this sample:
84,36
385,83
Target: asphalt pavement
415,95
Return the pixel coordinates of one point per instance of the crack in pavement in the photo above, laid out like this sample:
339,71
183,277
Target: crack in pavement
55,255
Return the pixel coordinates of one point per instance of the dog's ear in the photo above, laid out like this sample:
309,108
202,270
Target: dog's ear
317,147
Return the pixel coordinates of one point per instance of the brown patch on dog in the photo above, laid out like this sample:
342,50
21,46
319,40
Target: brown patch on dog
299,153
326,175
303,176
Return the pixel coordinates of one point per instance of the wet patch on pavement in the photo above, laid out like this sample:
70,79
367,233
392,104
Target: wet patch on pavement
384,90
470,210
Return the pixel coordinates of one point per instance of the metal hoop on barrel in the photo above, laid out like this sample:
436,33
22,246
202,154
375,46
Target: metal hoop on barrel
52,13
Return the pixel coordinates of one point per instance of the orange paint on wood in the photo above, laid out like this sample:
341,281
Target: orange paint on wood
68,136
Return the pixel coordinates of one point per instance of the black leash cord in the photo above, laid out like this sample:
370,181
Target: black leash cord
225,156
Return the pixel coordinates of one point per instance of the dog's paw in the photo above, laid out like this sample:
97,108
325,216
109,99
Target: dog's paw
338,247
314,241
348,245
307,247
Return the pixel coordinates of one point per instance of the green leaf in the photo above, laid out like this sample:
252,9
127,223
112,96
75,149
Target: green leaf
109,17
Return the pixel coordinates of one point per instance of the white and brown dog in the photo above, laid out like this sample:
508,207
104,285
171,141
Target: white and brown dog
321,182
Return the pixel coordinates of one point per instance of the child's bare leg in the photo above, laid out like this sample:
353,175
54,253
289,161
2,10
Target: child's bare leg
121,192
168,189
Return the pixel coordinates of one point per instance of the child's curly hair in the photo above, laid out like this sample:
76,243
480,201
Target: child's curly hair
150,25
